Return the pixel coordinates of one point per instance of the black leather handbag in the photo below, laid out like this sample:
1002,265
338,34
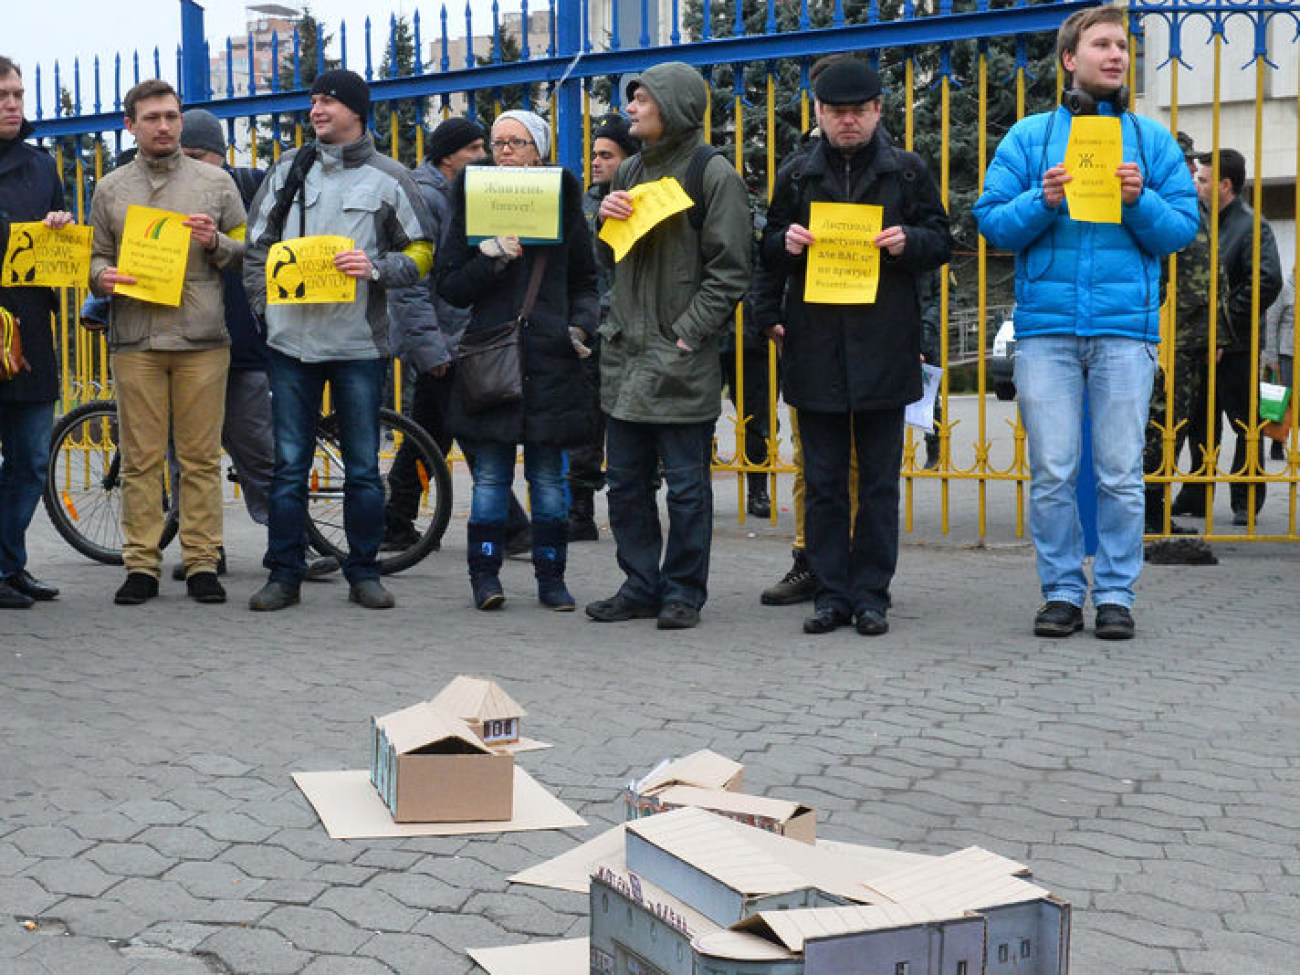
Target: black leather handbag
489,366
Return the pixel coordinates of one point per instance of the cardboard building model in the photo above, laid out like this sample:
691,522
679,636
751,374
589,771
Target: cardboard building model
430,767
700,894
707,780
492,713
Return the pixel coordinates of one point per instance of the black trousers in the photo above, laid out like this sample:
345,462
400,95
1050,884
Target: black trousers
1232,398
635,452
854,567
587,461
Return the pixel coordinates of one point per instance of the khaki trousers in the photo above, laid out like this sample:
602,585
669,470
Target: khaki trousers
186,391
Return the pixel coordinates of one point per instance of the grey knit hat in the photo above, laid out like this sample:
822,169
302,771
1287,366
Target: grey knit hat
202,130
536,126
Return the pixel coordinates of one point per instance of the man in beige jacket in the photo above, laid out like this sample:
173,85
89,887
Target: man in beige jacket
169,363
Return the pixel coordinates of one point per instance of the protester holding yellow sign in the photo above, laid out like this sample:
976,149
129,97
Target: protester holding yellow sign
550,289
652,203
165,226
39,256
301,271
855,226
31,195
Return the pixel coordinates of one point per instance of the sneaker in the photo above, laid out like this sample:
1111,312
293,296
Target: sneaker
618,609
371,594
399,536
826,620
583,530
320,567
203,587
1058,618
678,616
273,596
1114,622
872,622
799,585
138,588
519,545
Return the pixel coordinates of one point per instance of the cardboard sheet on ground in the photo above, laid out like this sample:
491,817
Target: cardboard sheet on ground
652,204
301,271
155,251
350,809
571,871
572,957
518,201
38,257
844,264
921,413
1094,152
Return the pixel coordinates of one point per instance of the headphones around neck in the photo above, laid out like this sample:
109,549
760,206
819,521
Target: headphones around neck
1079,102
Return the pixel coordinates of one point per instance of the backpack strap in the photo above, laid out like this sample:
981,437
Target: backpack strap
701,156
293,184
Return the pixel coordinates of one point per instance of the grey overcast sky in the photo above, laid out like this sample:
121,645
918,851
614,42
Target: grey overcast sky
38,32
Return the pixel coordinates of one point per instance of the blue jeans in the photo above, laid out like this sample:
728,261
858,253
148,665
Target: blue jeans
634,452
494,472
356,388
1053,374
24,458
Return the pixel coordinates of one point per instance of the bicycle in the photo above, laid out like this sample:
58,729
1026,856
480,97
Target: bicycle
83,488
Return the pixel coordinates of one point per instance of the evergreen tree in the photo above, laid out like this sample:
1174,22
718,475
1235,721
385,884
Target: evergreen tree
487,100
399,62
313,38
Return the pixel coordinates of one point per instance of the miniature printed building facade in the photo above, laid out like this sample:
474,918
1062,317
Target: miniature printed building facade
698,898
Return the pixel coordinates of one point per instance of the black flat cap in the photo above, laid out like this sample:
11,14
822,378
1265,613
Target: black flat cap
847,82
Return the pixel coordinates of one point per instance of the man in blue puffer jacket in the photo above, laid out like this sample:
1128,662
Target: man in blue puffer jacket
1087,320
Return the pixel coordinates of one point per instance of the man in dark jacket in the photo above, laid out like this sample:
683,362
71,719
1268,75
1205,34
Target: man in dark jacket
29,191
661,383
850,369
1236,375
611,143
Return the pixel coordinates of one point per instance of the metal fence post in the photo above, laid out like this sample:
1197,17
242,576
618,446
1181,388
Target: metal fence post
194,57
568,99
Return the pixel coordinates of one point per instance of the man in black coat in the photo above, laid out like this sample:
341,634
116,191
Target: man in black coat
30,190
850,369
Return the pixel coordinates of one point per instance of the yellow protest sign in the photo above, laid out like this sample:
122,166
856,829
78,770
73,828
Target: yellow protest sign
1095,151
301,272
844,263
652,203
155,251
38,257
518,201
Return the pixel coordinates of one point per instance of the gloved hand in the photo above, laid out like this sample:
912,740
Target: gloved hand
501,248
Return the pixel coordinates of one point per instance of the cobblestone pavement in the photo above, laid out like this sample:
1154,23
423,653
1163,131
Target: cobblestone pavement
148,823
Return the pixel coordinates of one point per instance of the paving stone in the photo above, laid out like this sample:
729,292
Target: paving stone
72,877
48,841
256,950
317,930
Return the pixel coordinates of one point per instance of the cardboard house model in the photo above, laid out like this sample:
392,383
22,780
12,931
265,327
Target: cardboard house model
492,713
430,767
703,895
710,781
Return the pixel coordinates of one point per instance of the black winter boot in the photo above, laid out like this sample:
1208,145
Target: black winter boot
550,555
582,515
486,549
758,503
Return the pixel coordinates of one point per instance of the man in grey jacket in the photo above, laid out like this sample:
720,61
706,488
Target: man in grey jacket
337,185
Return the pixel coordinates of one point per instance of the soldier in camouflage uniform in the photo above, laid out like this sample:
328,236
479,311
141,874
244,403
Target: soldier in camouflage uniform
1191,365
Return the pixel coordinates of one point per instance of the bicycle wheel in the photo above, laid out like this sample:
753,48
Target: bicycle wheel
415,474
83,488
